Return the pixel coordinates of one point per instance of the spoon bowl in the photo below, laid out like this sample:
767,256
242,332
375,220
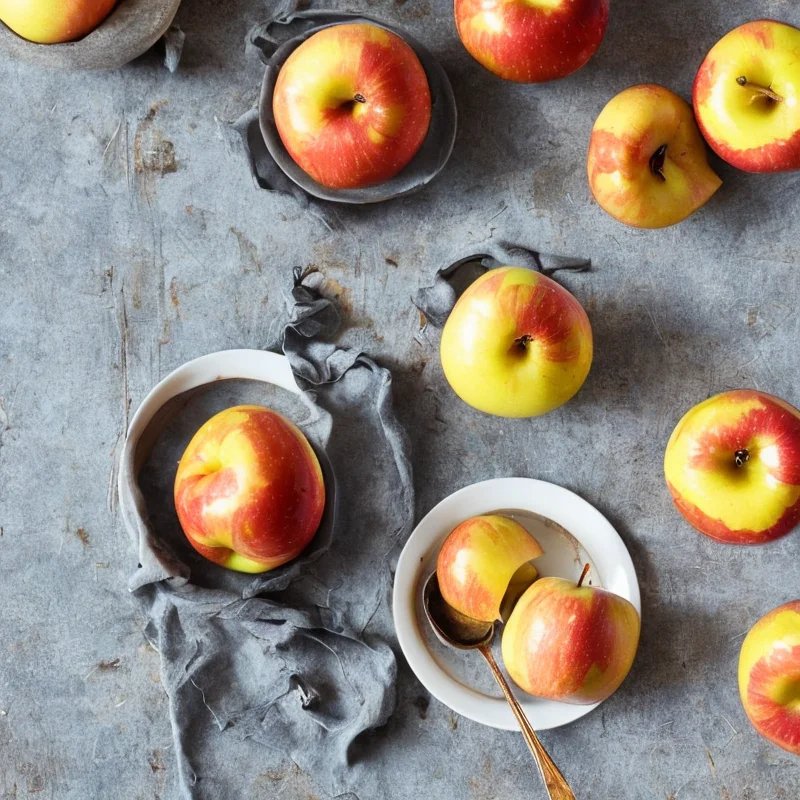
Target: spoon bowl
465,633
450,626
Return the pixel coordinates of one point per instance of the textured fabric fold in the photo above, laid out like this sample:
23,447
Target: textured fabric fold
437,301
297,659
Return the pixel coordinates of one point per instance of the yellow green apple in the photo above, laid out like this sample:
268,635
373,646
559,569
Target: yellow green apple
732,465
647,162
249,490
570,642
352,105
769,676
747,97
478,561
516,344
54,21
531,41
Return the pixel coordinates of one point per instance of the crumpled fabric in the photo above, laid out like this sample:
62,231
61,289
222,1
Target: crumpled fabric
436,302
297,659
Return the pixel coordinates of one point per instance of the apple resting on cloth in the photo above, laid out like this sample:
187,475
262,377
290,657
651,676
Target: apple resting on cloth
478,561
647,161
249,490
769,676
733,467
352,105
516,344
570,642
531,41
747,97
54,21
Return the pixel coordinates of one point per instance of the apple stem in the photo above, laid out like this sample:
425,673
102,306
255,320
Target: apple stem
585,572
359,98
741,457
759,91
657,162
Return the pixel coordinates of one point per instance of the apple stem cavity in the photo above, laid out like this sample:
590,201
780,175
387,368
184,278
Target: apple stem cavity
741,457
521,342
585,572
657,162
759,91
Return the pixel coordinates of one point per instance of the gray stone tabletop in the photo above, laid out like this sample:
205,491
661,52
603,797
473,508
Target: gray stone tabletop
132,240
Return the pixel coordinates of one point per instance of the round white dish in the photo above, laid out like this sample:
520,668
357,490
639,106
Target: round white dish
571,532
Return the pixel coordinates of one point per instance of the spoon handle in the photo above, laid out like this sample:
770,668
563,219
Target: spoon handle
557,786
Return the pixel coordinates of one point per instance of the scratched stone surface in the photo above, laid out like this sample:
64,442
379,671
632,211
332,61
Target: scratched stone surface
131,240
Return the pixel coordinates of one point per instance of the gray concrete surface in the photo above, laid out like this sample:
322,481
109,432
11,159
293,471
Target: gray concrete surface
131,241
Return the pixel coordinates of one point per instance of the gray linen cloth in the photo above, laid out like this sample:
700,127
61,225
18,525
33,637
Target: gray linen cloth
437,301
296,659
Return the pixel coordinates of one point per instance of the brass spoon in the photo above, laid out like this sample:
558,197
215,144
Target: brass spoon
463,632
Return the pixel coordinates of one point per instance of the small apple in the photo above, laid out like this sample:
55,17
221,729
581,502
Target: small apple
352,105
54,21
769,676
249,490
732,465
516,344
570,642
747,97
647,161
531,41
478,562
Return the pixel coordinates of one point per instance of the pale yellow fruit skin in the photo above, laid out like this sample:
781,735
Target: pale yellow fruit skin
630,129
478,560
484,366
775,711
737,505
745,129
54,21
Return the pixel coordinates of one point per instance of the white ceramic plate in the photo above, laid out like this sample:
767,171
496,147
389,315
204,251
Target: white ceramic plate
571,533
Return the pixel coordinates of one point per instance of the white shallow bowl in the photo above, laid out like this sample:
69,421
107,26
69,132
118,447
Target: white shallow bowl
571,532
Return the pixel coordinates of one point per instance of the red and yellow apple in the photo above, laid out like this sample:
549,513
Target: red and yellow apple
478,561
54,21
352,105
531,41
769,676
732,465
747,97
249,490
570,642
647,161
516,344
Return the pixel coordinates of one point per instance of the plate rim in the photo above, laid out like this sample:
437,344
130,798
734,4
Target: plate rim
407,624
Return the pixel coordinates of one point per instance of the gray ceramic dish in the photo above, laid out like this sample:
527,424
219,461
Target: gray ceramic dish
426,164
131,29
